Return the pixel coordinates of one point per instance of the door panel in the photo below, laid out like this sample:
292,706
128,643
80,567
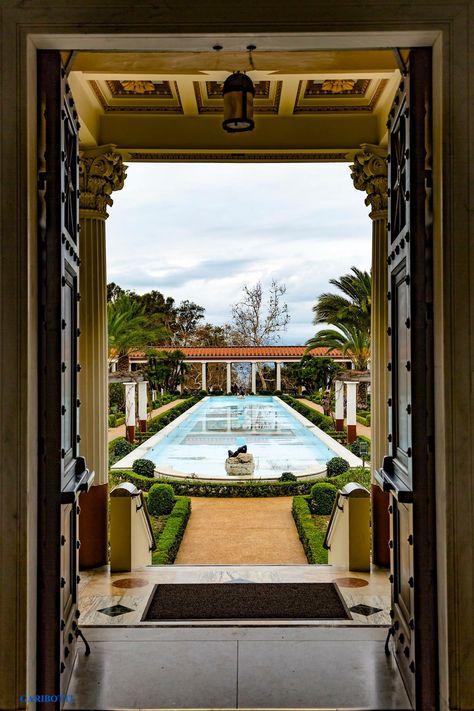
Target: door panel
408,470
62,473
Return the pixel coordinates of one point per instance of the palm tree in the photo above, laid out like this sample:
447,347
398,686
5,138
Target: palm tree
129,328
348,339
350,309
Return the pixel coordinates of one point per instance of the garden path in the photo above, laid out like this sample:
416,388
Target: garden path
361,429
119,431
241,532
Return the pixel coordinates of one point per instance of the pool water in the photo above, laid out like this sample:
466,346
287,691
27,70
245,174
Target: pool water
278,441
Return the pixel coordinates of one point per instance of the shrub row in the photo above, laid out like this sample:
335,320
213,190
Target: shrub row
363,419
317,418
241,489
115,420
310,536
170,538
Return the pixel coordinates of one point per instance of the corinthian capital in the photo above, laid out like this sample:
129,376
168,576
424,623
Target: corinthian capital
101,171
369,173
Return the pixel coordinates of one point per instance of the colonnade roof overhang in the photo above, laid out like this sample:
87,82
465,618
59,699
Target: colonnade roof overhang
167,106
244,354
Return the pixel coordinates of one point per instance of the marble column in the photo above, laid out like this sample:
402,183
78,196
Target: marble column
254,379
101,171
278,376
351,411
142,405
130,410
339,398
204,376
229,377
369,174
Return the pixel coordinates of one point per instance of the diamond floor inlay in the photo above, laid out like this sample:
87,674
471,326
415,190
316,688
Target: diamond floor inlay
365,610
115,610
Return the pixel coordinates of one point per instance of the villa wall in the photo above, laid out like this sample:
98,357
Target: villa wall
447,25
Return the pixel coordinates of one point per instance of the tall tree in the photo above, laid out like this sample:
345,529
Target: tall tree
258,321
165,369
352,307
188,316
129,328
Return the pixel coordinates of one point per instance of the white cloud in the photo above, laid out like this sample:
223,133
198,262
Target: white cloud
201,231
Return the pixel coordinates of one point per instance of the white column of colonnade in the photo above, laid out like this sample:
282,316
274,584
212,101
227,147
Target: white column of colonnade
278,376
142,404
229,377
204,376
351,411
254,378
369,174
101,171
339,398
130,410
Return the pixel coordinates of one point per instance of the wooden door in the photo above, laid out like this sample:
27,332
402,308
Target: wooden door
62,472
408,470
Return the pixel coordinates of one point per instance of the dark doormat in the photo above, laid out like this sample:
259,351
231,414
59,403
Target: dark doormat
246,601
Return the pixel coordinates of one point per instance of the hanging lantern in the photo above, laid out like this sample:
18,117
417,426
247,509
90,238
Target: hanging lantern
238,93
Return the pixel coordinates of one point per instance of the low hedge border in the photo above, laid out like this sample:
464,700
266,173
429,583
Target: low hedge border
324,422
310,536
169,540
241,489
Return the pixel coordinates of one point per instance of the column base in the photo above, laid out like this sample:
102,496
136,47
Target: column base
93,527
339,425
351,433
142,424
130,433
380,527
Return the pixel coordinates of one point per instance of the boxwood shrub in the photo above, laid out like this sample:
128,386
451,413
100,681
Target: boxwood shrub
323,496
143,466
336,466
161,499
317,418
169,540
288,476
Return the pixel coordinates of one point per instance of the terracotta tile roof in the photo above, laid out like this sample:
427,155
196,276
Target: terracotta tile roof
245,352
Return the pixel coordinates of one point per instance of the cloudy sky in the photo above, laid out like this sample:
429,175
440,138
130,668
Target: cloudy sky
201,231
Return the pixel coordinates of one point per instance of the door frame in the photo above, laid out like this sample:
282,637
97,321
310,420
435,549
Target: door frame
21,36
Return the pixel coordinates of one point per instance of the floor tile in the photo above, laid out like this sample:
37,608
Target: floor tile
310,674
155,674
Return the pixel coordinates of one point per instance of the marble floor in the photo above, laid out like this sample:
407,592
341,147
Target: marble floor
119,599
262,664
306,667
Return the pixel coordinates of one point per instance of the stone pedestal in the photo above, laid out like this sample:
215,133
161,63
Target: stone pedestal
241,465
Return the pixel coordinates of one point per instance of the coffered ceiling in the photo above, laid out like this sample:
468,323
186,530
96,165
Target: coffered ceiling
160,106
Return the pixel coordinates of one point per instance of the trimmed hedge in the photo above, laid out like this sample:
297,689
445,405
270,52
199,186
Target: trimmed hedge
355,446
336,466
240,489
317,418
310,536
170,538
323,496
145,467
161,498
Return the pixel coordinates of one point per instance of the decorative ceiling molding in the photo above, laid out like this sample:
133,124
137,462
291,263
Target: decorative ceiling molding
113,96
209,97
338,87
311,98
259,157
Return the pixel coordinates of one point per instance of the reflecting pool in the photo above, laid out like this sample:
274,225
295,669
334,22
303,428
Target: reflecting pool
278,438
